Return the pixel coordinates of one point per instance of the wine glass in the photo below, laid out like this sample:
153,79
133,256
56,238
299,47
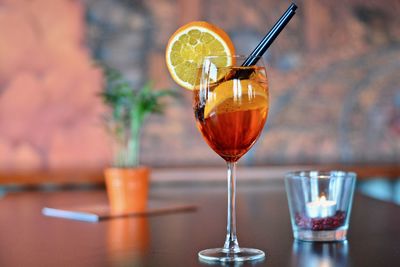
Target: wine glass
231,107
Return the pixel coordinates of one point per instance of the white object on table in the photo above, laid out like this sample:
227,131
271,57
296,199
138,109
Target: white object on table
321,208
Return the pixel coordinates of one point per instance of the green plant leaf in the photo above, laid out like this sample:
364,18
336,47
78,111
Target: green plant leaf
129,109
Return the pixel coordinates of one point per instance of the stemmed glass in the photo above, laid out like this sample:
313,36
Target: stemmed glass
231,107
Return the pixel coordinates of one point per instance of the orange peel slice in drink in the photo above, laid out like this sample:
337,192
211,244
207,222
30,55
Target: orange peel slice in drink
236,95
188,46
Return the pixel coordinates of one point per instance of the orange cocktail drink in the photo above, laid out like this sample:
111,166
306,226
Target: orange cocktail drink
233,112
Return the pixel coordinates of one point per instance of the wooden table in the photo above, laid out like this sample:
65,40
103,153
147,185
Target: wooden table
30,239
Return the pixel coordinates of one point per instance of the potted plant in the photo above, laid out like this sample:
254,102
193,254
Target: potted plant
127,182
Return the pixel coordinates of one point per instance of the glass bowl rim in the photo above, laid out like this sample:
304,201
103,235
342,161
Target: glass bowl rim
233,56
318,174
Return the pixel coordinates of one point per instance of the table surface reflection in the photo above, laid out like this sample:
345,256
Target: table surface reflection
30,239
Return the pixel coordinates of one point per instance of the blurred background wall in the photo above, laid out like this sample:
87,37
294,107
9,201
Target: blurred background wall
334,80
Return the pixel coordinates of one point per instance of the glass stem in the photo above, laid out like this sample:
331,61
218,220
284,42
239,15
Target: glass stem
231,243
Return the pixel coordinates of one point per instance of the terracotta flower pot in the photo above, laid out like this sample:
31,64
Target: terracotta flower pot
127,189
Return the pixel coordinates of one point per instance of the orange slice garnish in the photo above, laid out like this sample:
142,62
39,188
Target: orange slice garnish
236,95
188,46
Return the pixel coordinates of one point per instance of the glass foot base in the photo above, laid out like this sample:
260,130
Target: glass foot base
223,255
320,236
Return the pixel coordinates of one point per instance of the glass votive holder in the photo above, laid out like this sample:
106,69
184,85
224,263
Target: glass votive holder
320,204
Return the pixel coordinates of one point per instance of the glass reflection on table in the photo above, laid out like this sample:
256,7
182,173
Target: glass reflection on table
320,254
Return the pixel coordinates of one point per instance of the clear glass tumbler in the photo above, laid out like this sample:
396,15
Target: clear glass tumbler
320,204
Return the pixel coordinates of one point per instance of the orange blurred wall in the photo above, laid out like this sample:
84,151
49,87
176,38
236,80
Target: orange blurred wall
49,112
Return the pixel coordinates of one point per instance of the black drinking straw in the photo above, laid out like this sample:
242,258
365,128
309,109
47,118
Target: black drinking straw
270,37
